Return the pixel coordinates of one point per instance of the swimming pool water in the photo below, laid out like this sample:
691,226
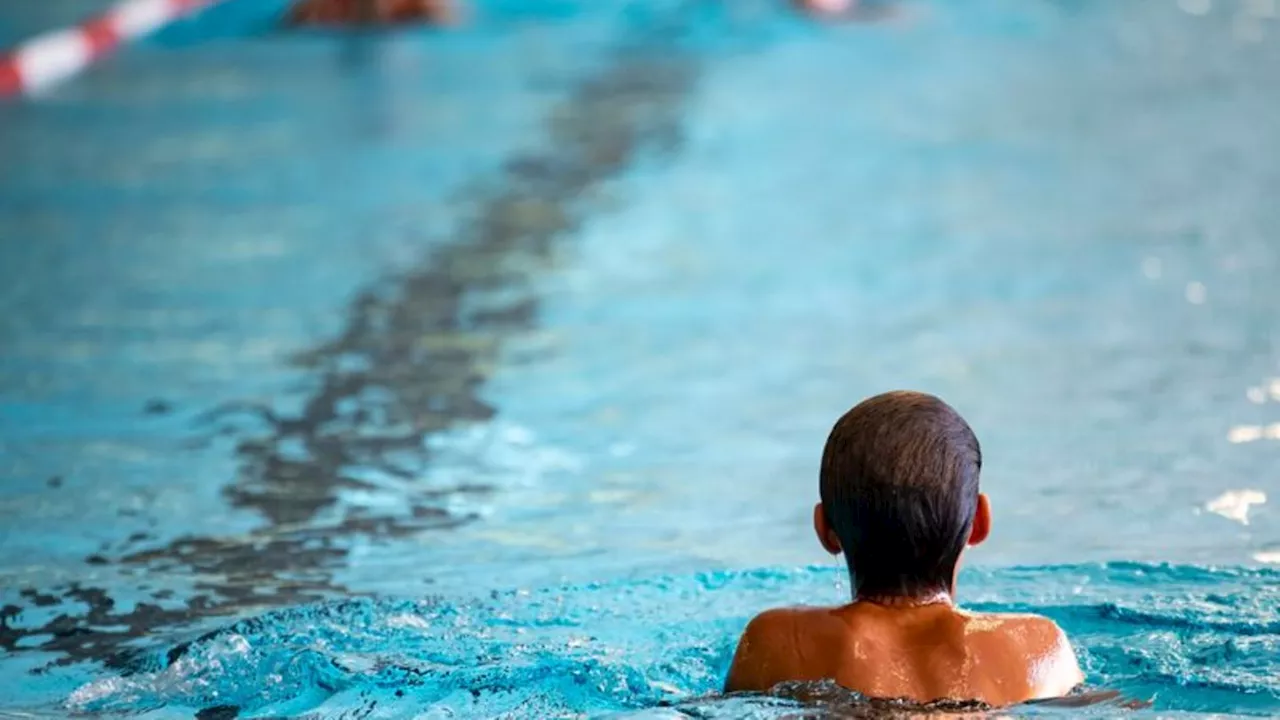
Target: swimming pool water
544,321
1195,640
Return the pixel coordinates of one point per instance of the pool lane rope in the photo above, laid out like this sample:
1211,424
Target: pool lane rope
46,60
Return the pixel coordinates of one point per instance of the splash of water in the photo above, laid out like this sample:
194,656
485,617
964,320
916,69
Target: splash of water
1195,639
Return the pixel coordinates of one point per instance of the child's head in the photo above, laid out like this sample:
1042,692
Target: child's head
899,488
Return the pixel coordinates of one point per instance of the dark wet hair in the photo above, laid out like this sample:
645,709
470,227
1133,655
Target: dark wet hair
899,485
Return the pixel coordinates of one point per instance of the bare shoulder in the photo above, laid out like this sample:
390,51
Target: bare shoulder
1023,628
787,621
1043,646
772,631
776,616
767,653
1041,636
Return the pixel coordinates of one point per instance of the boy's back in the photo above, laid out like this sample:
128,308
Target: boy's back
900,500
921,653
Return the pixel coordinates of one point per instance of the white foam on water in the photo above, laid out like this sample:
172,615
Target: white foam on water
188,676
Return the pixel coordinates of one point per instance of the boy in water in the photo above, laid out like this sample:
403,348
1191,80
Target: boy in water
899,491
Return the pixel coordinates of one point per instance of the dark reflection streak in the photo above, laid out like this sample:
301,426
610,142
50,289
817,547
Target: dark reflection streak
409,363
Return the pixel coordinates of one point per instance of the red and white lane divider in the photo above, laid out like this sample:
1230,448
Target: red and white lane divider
48,59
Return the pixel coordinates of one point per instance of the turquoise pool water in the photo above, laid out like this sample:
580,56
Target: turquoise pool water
492,368
1205,642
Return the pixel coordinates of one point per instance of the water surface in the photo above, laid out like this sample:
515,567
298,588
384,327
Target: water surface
573,296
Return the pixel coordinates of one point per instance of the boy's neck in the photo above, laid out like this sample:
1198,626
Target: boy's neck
940,597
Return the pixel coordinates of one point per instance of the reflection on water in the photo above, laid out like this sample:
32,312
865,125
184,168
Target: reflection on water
407,366
1235,504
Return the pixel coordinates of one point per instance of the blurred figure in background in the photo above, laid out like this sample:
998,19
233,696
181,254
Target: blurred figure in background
372,12
856,10
445,12
826,7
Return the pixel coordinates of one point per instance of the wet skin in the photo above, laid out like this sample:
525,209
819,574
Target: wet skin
920,652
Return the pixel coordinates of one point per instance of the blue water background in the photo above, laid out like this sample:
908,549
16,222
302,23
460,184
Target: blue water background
572,295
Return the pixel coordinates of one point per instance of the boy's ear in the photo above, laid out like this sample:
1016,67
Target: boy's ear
981,521
830,541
